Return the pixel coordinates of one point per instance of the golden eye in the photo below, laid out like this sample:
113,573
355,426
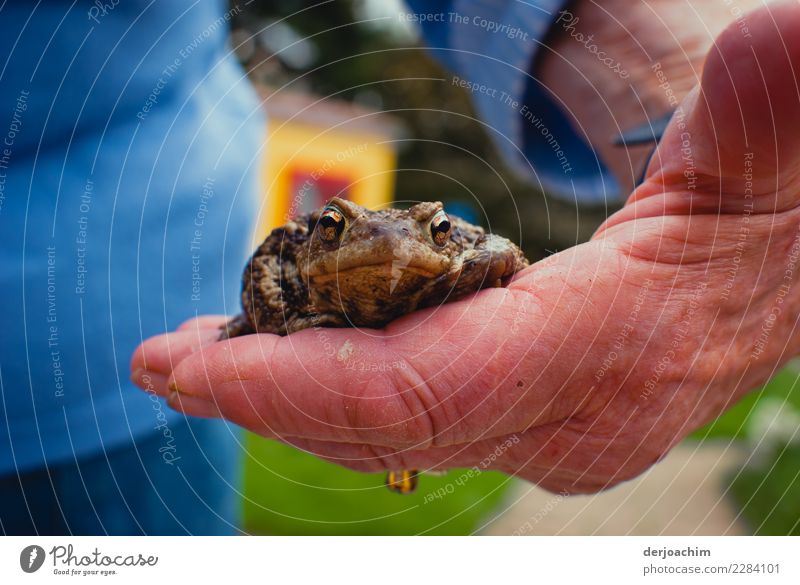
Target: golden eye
440,228
330,225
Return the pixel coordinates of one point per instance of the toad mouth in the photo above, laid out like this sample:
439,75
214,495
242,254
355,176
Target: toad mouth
388,267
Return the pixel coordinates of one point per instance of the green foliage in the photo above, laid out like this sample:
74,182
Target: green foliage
769,495
288,492
767,491
733,423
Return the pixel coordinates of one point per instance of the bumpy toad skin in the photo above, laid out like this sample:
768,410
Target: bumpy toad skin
382,264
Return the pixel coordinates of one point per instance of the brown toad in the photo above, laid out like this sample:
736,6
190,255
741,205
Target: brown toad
347,266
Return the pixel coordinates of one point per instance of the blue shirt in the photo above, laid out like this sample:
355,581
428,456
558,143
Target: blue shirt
129,148
491,47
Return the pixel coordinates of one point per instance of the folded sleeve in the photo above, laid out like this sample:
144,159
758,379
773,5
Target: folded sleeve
490,47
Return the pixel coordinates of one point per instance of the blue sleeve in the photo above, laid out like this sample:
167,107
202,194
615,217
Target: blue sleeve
129,141
490,46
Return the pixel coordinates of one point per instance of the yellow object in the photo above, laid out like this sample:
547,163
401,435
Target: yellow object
402,482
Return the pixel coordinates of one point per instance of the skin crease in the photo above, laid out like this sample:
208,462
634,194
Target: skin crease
527,362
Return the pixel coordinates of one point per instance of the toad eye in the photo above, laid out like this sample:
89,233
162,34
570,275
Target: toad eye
440,228
330,225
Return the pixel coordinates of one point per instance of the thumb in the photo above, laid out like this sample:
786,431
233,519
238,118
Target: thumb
736,139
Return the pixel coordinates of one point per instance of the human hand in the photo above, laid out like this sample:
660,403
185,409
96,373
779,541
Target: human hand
591,364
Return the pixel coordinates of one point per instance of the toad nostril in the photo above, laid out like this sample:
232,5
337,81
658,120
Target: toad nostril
406,231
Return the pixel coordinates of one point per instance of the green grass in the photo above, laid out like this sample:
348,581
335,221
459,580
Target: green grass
769,496
289,492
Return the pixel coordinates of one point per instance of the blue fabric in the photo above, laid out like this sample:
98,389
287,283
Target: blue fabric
134,490
493,44
128,151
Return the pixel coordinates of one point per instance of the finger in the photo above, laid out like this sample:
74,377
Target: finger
204,322
749,101
437,377
547,456
356,456
151,382
154,360
473,460
551,456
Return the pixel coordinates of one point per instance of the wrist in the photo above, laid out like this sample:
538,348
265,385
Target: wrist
618,65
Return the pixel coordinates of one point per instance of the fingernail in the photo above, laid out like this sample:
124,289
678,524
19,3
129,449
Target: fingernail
150,381
193,406
142,378
137,376
172,387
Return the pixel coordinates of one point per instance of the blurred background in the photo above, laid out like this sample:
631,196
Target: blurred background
357,108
